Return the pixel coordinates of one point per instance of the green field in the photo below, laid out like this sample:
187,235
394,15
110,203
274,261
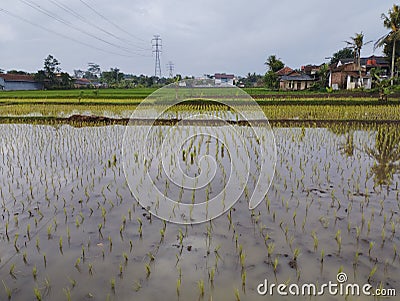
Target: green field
120,103
140,93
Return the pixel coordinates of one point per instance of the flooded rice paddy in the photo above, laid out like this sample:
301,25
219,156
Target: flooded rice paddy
71,228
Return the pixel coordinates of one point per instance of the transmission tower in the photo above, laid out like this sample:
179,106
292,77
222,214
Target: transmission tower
157,49
171,67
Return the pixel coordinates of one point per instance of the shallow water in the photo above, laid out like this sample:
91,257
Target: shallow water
338,184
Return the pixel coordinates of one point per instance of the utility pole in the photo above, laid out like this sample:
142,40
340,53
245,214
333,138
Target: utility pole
157,49
171,67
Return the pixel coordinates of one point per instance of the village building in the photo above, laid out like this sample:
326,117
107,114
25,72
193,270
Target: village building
19,82
346,74
294,80
224,79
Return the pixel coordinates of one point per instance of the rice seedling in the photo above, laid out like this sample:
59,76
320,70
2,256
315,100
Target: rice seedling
244,280
67,293
383,236
137,286
338,239
356,256
270,249
296,254
60,244
372,273
140,229
90,269
49,230
24,257
275,264
72,282
34,272
315,238
28,231
110,243
112,283
7,290
15,242
37,294
371,245
200,285
242,260
125,256
237,294
148,270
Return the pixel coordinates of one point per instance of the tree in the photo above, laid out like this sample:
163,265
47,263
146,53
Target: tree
387,50
386,154
51,66
51,75
65,81
94,70
392,22
274,64
112,77
19,72
357,43
323,73
345,53
78,73
250,80
271,80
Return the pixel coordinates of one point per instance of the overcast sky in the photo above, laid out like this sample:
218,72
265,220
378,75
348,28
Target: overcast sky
198,36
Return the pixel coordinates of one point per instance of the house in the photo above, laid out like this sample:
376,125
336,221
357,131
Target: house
346,75
15,82
222,79
80,83
377,62
295,81
311,70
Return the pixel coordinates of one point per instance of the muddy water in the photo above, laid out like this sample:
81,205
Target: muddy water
67,212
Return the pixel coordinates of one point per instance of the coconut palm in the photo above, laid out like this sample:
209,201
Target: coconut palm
392,22
386,154
357,43
273,63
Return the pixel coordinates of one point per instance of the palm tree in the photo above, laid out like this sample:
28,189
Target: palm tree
357,43
386,154
273,63
392,22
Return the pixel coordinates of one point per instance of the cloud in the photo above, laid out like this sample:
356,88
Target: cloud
198,36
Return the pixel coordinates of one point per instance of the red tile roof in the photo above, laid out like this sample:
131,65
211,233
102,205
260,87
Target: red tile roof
17,78
284,71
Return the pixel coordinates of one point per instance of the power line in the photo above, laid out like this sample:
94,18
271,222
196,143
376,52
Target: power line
171,67
157,49
111,22
61,35
85,20
69,24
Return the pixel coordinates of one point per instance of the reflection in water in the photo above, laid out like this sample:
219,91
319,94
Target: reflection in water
386,153
348,147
